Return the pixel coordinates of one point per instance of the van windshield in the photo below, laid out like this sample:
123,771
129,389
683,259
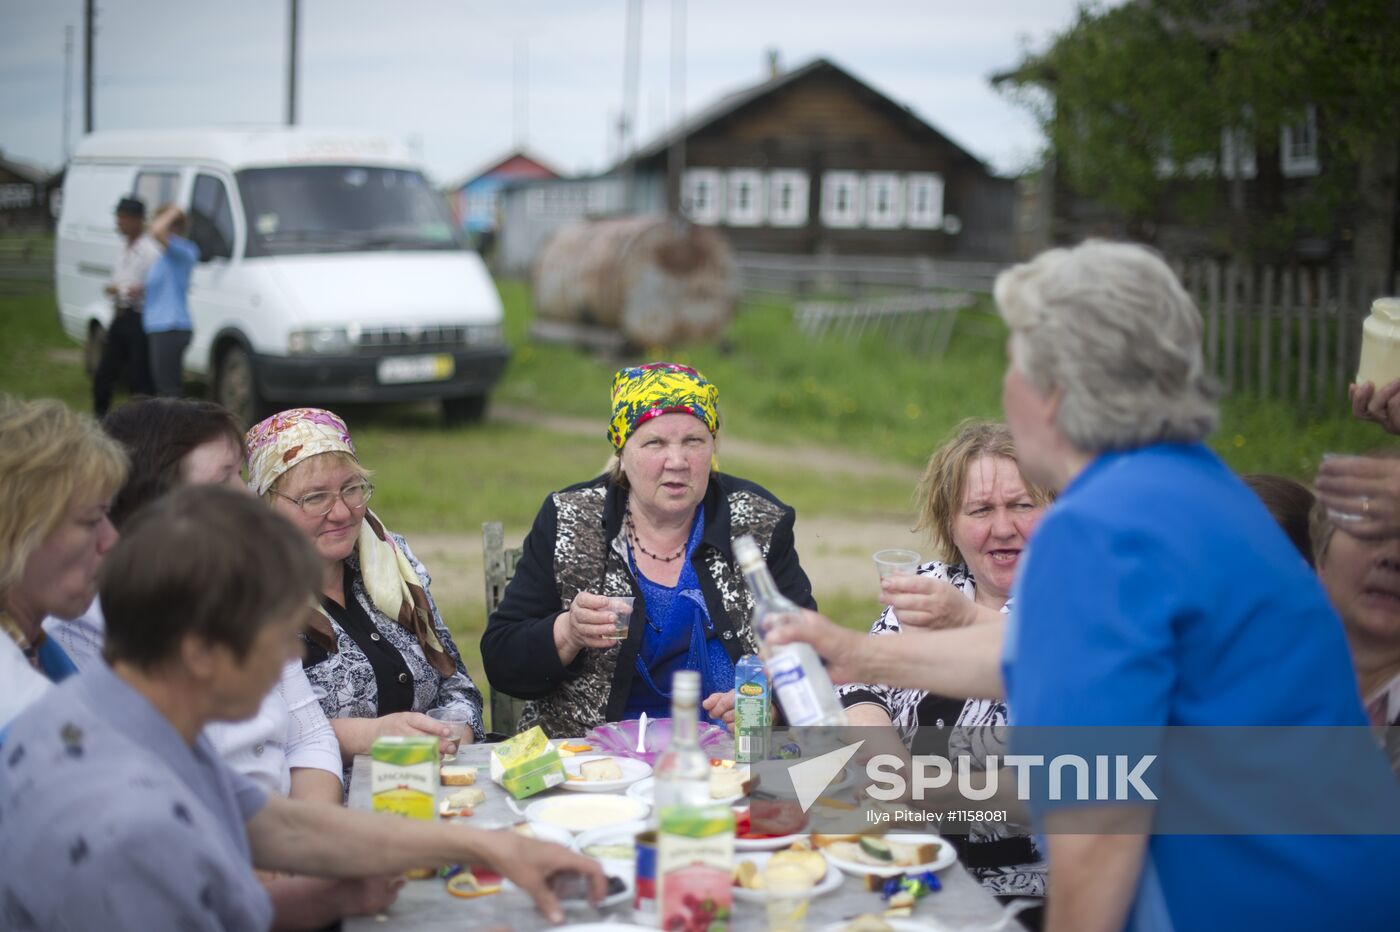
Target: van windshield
342,208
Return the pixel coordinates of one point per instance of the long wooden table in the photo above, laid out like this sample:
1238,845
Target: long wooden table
426,904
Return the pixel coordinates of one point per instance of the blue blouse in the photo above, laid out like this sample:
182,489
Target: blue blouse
679,635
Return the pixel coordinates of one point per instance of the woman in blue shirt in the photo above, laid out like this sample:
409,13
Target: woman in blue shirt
166,317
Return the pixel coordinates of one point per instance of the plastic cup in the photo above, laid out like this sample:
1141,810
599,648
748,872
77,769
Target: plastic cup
896,562
454,719
621,606
789,889
1338,517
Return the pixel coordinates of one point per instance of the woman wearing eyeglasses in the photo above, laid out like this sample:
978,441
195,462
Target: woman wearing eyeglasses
377,649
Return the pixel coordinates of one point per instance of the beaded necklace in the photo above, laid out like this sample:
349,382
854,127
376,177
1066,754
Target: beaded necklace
636,541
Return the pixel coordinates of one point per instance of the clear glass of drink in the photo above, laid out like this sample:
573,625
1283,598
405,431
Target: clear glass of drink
896,562
789,887
454,719
621,606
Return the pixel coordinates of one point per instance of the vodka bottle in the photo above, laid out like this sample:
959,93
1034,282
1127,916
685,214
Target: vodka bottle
799,680
683,771
695,842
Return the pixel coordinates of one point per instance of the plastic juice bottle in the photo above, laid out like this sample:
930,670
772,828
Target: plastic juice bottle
752,713
695,843
800,681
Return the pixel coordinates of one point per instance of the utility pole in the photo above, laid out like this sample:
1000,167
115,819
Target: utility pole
522,92
293,8
89,14
67,88
626,124
675,160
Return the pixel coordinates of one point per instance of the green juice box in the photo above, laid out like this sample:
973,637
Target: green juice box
752,710
404,776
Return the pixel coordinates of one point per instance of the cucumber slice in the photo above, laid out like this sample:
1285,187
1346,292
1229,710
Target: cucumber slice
876,848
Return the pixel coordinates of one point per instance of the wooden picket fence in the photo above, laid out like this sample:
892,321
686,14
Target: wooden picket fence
1292,334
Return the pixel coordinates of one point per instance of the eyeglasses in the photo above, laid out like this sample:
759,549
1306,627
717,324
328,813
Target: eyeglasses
320,504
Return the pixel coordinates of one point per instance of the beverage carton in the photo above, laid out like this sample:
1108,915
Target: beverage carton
404,776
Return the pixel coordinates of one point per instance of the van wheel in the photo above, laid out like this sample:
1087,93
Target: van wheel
236,386
468,409
93,347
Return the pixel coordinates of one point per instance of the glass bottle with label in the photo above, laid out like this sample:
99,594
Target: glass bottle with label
695,843
800,682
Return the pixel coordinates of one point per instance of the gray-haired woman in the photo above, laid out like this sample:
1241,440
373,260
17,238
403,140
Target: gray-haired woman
1158,592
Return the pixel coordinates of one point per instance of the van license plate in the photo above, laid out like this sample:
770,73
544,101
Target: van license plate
397,369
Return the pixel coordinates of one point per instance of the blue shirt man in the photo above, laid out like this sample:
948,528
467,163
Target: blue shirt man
1166,588
100,797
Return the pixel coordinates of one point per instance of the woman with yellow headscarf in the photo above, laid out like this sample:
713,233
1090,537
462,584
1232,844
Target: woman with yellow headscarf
656,526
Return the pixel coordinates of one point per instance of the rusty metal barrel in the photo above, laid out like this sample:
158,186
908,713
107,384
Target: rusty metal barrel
652,280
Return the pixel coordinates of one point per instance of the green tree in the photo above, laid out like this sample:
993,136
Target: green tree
1144,93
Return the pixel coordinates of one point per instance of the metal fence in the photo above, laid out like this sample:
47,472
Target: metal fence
860,276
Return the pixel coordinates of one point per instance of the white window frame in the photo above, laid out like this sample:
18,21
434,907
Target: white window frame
832,214
710,211
930,218
892,216
735,213
1297,146
1230,138
795,214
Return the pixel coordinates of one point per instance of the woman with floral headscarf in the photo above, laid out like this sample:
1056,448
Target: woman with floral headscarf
657,526
377,650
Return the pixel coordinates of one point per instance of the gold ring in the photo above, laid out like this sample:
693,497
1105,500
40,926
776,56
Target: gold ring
1365,506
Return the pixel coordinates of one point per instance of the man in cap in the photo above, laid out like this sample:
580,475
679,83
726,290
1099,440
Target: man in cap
125,348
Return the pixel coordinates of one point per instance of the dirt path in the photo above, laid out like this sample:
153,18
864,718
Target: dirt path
818,459
835,551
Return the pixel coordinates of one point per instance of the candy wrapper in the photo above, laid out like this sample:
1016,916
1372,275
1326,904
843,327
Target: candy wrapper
916,885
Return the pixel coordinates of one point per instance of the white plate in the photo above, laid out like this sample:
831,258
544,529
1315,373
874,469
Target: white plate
581,813
767,844
543,831
645,791
829,882
897,923
606,927
632,771
947,854
626,833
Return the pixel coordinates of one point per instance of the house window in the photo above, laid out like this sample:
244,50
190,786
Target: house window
841,199
787,198
884,200
924,200
1237,153
700,193
744,204
1298,146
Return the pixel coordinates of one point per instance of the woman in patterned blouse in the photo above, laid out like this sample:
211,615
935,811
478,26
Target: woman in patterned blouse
979,512
378,652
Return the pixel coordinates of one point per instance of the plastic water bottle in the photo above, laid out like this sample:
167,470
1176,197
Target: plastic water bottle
799,680
752,716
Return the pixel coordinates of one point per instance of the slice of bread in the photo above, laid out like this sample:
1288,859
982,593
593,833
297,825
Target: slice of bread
469,798
824,841
458,776
907,855
604,768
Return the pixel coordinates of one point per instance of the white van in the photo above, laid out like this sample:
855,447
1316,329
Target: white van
330,270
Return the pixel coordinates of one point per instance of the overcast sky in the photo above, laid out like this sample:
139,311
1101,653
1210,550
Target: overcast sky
443,72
